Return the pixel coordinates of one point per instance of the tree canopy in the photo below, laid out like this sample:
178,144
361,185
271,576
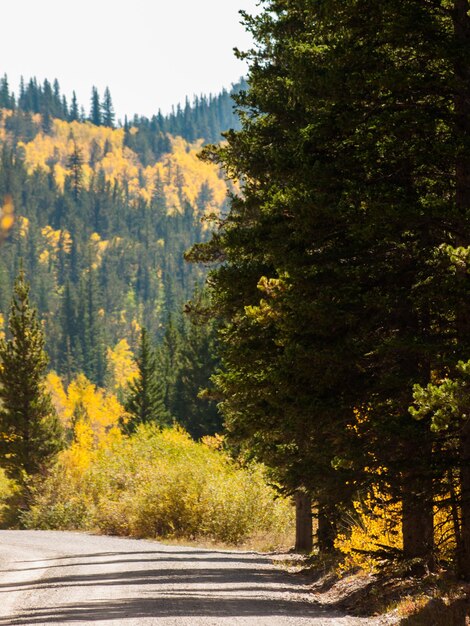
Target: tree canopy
342,280
30,430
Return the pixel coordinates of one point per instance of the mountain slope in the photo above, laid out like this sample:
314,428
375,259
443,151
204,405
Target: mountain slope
100,229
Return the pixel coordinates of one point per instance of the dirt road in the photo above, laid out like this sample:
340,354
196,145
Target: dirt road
73,578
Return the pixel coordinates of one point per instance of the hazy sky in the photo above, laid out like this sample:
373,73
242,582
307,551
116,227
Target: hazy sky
151,53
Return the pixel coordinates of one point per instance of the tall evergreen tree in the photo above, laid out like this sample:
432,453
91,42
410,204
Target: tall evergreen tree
95,110
75,164
343,241
6,100
74,114
145,401
30,430
196,362
108,109
93,341
448,404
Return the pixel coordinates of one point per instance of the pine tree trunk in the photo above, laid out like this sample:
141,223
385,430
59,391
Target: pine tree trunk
463,559
417,495
303,522
455,512
326,531
418,519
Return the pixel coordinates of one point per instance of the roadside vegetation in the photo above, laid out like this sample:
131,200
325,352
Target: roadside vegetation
159,484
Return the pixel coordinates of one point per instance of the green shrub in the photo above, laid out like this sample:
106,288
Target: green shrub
161,484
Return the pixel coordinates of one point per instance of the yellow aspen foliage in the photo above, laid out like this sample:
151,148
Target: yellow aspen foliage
181,171
81,450
23,226
100,410
118,162
56,239
52,237
2,327
44,257
84,404
7,217
216,442
55,387
135,331
98,247
53,241
60,174
121,365
75,461
375,525
8,488
81,454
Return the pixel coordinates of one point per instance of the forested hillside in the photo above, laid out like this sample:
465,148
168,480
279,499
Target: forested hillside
98,362
103,214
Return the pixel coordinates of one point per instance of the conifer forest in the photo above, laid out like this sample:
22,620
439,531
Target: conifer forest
250,317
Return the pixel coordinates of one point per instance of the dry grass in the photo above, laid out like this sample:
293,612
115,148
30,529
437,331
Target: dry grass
259,542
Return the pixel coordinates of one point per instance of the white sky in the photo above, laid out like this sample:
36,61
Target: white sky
151,53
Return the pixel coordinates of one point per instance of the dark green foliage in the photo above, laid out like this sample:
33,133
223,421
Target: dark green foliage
205,119
136,273
145,400
187,357
447,404
95,110
108,109
90,328
191,407
75,164
30,430
337,285
45,99
74,114
7,99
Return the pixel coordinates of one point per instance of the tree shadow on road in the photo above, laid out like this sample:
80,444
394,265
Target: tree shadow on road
162,576
173,605
166,554
194,587
146,557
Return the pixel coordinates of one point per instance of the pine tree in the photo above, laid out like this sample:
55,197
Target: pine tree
196,362
336,258
145,402
5,97
64,109
280,400
108,109
93,343
448,403
75,164
30,430
95,111
74,114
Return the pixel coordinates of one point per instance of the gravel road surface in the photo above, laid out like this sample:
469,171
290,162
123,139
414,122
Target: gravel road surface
49,577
